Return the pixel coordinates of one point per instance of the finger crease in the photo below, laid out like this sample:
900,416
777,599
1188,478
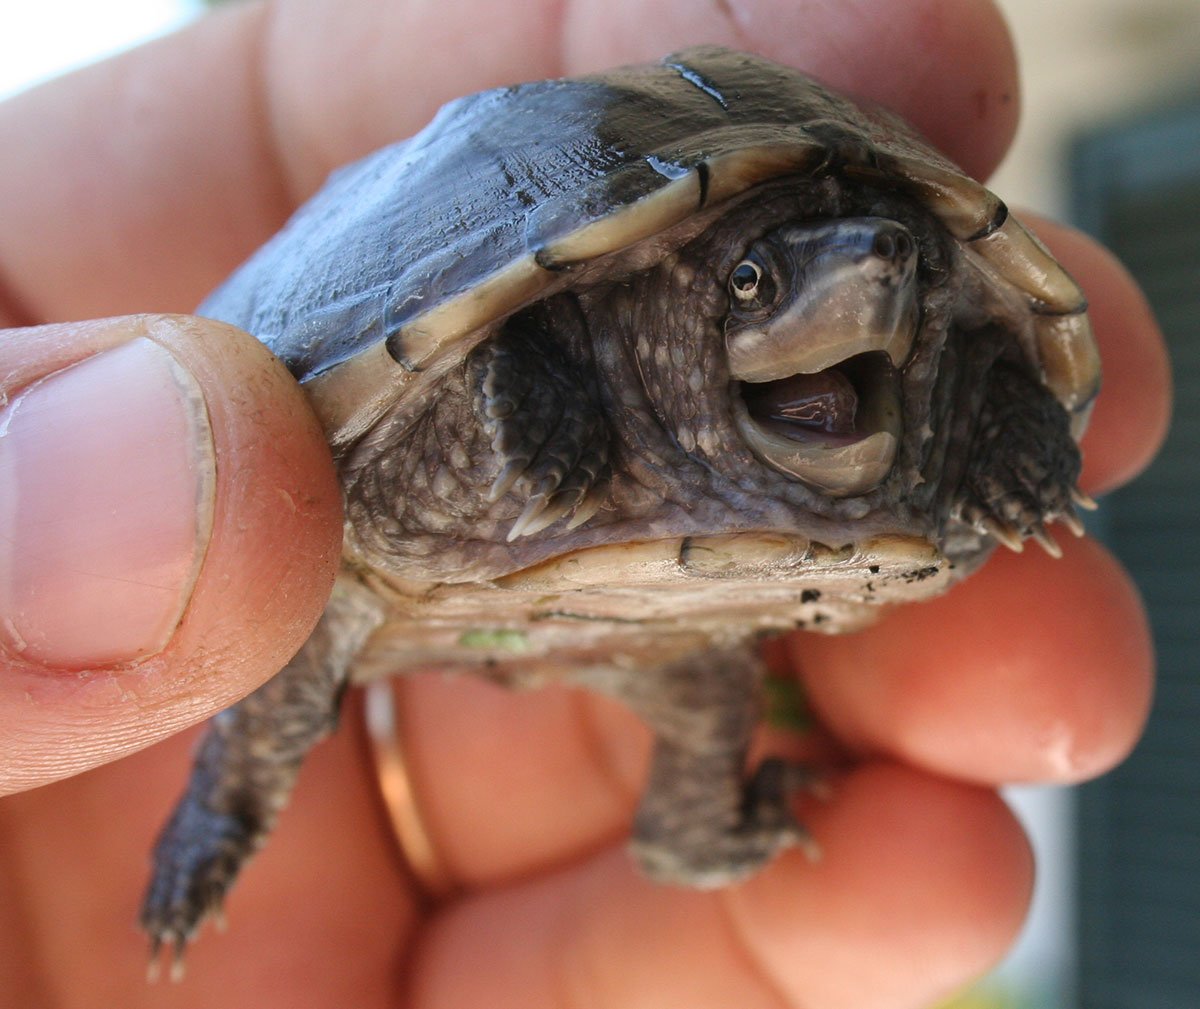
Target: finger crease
556,18
599,754
12,311
727,12
740,943
283,189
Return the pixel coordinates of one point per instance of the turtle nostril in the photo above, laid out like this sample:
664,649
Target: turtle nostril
885,245
893,244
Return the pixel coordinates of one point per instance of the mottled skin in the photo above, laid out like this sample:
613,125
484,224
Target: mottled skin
574,497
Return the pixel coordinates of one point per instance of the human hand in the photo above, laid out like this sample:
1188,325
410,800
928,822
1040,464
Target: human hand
925,874
160,477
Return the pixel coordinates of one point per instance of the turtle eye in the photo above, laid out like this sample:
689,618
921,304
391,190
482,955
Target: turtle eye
750,285
743,282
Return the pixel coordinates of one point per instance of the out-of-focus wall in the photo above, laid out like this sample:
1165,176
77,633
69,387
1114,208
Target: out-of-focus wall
1084,62
40,39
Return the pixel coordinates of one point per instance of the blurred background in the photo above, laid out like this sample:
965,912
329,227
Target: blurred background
1110,141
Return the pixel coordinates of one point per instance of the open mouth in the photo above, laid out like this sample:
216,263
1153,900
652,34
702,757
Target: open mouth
837,428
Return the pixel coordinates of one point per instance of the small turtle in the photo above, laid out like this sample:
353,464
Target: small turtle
622,372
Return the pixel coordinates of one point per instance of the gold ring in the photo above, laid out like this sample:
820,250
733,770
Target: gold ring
399,796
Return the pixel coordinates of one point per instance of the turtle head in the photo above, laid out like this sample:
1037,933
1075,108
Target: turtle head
821,316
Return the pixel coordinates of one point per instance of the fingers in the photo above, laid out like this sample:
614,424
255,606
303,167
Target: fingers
1131,416
198,144
1031,670
323,912
908,861
963,94
513,782
948,68
171,527
141,181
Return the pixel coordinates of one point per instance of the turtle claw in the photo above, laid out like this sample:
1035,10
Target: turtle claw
1013,537
542,511
1043,539
153,965
588,507
171,931
1084,500
176,959
1002,534
534,517
508,476
1071,520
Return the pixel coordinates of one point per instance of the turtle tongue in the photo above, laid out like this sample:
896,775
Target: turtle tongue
795,406
837,429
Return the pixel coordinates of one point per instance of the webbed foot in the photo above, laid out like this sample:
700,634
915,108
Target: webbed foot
1024,465
702,821
196,860
548,433
669,852
243,775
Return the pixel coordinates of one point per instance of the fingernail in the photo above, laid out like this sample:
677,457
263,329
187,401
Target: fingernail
107,478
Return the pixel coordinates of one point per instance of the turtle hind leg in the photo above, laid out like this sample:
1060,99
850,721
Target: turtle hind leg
541,410
720,833
1023,465
199,853
702,821
243,775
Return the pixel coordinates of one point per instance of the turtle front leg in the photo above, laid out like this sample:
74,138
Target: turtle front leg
244,772
1024,464
540,410
703,821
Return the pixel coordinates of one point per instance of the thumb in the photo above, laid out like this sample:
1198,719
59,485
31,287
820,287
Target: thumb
169,531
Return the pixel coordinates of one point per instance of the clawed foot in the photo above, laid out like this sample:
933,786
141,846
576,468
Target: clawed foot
1024,466
1012,519
195,862
766,828
549,437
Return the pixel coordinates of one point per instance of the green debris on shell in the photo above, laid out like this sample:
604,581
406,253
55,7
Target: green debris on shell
786,706
501,639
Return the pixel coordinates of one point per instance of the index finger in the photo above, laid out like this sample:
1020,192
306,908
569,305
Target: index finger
137,184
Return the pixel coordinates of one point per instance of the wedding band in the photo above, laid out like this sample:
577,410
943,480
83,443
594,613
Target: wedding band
399,797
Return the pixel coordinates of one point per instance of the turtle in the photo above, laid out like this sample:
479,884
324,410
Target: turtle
623,373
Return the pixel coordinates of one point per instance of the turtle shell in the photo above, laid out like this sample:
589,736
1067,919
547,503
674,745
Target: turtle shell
407,258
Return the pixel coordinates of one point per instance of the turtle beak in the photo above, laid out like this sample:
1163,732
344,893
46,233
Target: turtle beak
818,369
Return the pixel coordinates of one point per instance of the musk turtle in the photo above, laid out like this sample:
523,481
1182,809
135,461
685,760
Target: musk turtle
622,372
